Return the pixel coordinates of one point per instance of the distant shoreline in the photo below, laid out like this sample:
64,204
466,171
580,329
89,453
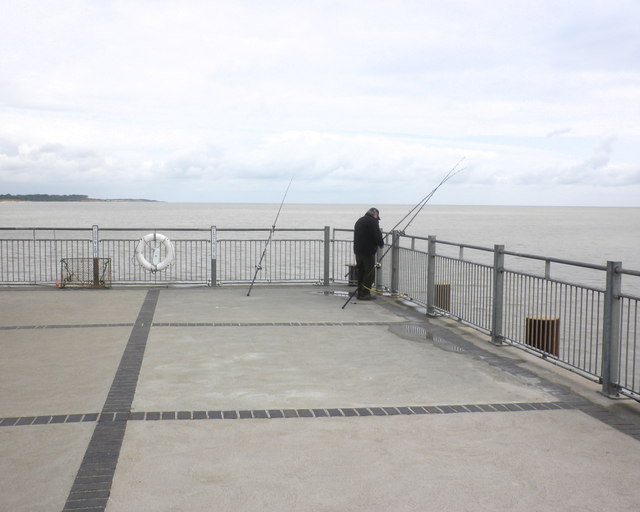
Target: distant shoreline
63,198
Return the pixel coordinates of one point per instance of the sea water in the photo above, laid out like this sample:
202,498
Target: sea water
590,235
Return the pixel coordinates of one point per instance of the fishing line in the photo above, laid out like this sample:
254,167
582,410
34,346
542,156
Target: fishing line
450,175
426,198
273,228
421,204
387,293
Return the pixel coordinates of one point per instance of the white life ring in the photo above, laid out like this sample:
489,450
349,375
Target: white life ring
155,264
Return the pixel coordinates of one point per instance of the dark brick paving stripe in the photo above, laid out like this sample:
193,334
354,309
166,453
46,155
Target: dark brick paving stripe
92,485
597,412
190,324
344,412
111,417
265,324
61,326
49,420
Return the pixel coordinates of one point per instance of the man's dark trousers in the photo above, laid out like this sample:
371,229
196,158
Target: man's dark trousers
365,264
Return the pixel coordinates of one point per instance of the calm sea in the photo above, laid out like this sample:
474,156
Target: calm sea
592,235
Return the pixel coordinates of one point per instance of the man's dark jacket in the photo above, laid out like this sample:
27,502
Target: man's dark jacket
366,235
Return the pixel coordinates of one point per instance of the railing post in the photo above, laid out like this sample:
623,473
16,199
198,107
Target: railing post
395,260
611,330
327,255
95,239
431,275
96,255
498,295
214,256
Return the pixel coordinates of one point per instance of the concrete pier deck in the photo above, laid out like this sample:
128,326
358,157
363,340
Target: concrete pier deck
198,399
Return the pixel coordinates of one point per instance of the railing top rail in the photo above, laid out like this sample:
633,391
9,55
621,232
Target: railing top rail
550,259
464,246
163,228
582,264
319,230
415,237
85,228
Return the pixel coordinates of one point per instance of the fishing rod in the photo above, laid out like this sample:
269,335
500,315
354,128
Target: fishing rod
273,228
426,198
421,204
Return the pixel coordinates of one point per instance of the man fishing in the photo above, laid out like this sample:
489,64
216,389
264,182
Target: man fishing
366,240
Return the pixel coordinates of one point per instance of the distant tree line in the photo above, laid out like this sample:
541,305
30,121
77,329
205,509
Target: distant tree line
43,197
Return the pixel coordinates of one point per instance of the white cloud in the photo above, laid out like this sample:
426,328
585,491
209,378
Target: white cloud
166,96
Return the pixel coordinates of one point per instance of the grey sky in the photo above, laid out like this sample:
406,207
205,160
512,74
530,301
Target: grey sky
361,102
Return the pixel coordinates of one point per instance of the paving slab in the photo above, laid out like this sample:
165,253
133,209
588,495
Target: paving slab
58,371
482,462
267,305
295,366
68,306
38,464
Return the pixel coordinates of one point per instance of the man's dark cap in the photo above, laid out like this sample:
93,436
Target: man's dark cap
374,211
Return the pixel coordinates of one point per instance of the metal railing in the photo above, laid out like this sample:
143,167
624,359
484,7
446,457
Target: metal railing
586,323
587,328
210,257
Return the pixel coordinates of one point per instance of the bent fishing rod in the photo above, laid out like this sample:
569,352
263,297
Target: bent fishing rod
454,170
417,209
273,228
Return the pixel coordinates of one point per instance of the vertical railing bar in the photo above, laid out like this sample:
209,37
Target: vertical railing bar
475,293
576,326
583,324
573,315
558,309
535,301
460,274
585,329
554,311
625,309
450,274
30,260
622,372
595,330
510,304
467,292
593,318
580,324
468,286
565,316
587,338
598,339
517,307
40,260
526,299
635,346
508,309
295,273
20,264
